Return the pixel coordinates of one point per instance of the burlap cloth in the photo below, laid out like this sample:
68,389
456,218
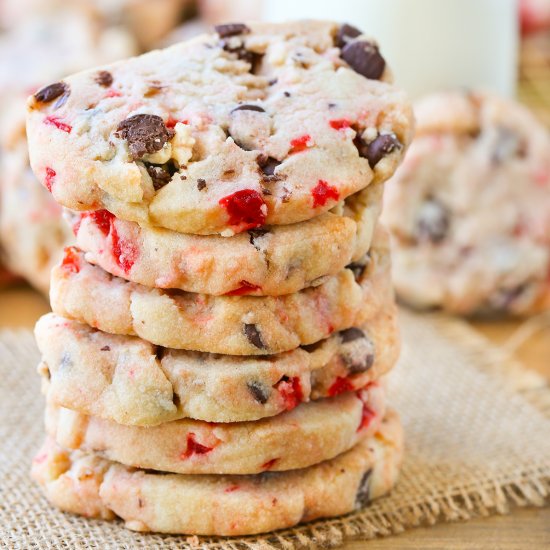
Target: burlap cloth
476,445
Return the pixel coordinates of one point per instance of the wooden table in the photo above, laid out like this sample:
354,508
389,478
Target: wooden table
522,530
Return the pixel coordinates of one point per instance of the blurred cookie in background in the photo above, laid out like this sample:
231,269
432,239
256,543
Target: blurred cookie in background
534,15
469,209
222,11
36,52
146,21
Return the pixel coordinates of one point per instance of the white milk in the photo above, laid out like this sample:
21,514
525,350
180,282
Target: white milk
430,44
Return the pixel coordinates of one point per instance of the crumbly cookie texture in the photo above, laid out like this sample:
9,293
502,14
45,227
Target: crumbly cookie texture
469,210
258,124
272,261
311,433
133,382
89,485
234,325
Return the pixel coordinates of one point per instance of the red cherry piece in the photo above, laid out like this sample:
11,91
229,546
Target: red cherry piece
340,124
323,192
48,180
113,93
300,144
244,288
71,259
232,489
103,219
124,251
291,391
340,385
194,448
246,209
366,417
54,121
269,464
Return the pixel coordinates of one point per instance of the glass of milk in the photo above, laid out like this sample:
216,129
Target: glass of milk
430,44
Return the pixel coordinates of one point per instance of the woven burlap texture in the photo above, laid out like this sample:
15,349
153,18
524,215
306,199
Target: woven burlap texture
475,446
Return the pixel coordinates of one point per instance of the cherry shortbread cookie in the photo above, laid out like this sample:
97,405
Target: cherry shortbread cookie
469,210
272,261
86,484
133,382
257,124
309,434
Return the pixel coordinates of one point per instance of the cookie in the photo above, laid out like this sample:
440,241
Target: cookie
89,485
309,434
263,262
469,210
132,382
258,124
233,325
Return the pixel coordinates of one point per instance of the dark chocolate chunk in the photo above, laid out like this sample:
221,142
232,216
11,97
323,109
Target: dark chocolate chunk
286,94
51,92
106,348
378,148
66,361
364,58
231,29
104,78
362,497
201,184
249,107
256,234
253,335
505,297
346,33
145,134
160,174
507,145
433,222
267,165
358,270
259,391
351,334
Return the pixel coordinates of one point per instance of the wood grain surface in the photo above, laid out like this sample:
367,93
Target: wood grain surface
525,529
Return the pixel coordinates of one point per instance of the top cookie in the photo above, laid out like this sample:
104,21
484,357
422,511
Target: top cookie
258,124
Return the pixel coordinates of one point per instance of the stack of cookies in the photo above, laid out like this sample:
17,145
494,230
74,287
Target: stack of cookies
214,361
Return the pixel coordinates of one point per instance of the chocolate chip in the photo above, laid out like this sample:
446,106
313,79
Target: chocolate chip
104,78
362,497
286,94
106,348
259,391
253,335
364,58
345,34
356,350
507,145
256,234
433,222
51,92
378,148
505,297
231,29
145,134
358,269
285,197
201,184
160,174
249,107
267,165
351,334
66,361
